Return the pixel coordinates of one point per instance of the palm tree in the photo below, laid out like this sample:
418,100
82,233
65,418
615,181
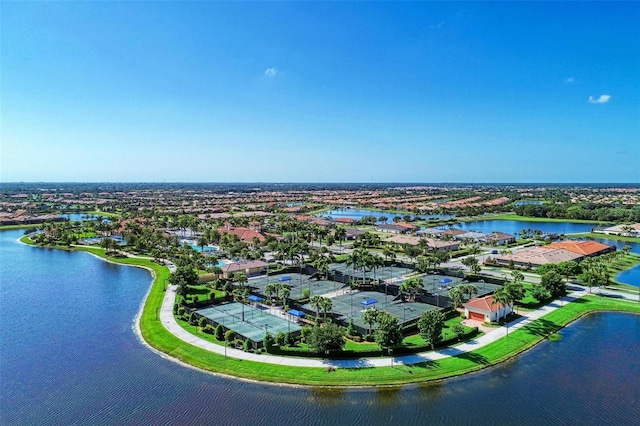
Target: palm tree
387,252
369,317
315,302
468,289
269,290
202,241
501,297
341,234
411,287
283,293
375,261
518,277
456,296
322,265
325,305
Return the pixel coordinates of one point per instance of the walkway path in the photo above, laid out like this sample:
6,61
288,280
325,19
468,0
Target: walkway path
170,323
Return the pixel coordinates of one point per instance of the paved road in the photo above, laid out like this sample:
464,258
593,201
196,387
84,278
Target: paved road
169,322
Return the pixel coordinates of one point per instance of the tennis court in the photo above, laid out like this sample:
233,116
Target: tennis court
382,273
441,284
257,321
354,303
296,282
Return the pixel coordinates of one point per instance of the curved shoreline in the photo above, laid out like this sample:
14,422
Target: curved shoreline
269,373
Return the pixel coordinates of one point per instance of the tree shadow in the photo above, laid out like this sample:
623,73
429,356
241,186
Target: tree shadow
427,365
473,357
469,356
541,327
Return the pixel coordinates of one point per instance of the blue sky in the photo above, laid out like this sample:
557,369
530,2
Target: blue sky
327,91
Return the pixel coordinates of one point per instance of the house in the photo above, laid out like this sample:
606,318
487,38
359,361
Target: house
537,256
470,236
345,220
408,227
500,238
352,233
432,243
431,232
625,230
244,234
250,267
392,228
584,248
485,310
453,232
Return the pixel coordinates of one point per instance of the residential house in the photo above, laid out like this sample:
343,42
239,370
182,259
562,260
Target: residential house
484,309
250,267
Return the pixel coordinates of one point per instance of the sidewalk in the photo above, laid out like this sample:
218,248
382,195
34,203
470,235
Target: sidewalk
169,322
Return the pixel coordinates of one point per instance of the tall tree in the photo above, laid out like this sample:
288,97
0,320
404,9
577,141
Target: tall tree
388,335
430,325
552,281
369,317
501,297
326,338
325,305
315,302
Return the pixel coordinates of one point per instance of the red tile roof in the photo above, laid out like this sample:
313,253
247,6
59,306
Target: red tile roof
585,248
483,304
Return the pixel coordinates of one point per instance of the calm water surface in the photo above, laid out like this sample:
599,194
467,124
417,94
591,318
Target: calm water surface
515,226
358,214
69,356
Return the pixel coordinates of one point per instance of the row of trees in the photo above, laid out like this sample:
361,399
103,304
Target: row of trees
608,213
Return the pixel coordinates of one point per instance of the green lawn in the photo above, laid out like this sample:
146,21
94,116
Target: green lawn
10,227
605,236
513,216
622,263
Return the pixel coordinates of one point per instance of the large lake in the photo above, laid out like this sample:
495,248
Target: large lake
515,226
69,355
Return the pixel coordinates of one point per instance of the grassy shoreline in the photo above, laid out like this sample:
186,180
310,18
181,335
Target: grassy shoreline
159,338
604,237
513,216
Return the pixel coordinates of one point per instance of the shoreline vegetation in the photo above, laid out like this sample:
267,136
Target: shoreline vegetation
514,216
160,339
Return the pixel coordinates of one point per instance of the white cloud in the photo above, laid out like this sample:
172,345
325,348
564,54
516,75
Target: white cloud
569,80
437,26
603,99
271,72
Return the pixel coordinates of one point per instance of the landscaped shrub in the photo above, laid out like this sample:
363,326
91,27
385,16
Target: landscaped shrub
219,333
306,332
281,338
269,342
229,335
202,322
181,310
291,340
306,293
351,328
193,318
209,329
246,346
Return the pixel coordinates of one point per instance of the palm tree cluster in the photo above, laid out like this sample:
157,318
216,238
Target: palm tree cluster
363,260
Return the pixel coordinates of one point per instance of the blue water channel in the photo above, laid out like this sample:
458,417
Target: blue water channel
70,356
